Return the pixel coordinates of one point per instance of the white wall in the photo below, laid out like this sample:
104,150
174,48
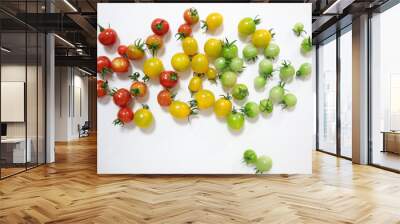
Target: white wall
70,83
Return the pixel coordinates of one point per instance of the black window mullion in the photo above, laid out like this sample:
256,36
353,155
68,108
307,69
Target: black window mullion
338,91
317,95
26,87
37,90
0,95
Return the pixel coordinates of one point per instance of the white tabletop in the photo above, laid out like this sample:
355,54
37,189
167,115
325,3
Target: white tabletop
13,140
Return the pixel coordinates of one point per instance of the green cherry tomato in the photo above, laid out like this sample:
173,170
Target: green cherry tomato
306,45
266,106
251,109
236,64
228,79
249,156
220,63
247,25
289,100
250,52
240,91
304,70
260,82
272,51
229,49
265,67
263,164
235,120
287,71
298,29
276,93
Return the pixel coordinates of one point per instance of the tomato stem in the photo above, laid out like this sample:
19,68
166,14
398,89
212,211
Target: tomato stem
101,28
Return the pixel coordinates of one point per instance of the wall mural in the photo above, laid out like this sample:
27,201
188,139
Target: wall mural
218,61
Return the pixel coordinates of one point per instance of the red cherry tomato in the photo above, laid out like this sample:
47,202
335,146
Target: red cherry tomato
154,43
107,36
160,26
103,65
122,97
122,49
168,79
102,88
120,65
184,30
191,16
165,98
125,115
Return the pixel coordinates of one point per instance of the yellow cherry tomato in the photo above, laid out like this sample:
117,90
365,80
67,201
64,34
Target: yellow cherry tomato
204,98
213,47
179,109
211,74
195,84
200,63
261,38
153,67
223,106
213,21
180,62
189,45
143,117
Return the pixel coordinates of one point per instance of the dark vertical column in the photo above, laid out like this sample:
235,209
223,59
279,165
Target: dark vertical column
317,95
0,95
338,91
26,86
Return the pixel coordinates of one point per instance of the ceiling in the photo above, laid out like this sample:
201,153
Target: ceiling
75,20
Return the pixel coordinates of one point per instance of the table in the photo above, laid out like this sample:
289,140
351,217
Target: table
17,147
391,141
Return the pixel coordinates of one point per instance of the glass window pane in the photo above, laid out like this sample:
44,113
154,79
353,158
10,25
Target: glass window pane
31,97
13,87
385,87
41,98
346,93
327,96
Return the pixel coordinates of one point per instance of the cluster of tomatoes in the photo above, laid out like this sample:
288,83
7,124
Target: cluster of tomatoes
261,163
226,68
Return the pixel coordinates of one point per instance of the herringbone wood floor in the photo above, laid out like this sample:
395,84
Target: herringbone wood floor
70,191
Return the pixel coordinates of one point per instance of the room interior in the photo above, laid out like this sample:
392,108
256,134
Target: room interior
49,127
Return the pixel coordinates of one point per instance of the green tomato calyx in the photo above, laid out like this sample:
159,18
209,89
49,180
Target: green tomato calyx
204,25
286,63
226,97
139,44
272,32
257,20
135,76
228,44
118,122
145,106
193,12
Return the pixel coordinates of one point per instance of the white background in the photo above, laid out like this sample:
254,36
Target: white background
206,145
